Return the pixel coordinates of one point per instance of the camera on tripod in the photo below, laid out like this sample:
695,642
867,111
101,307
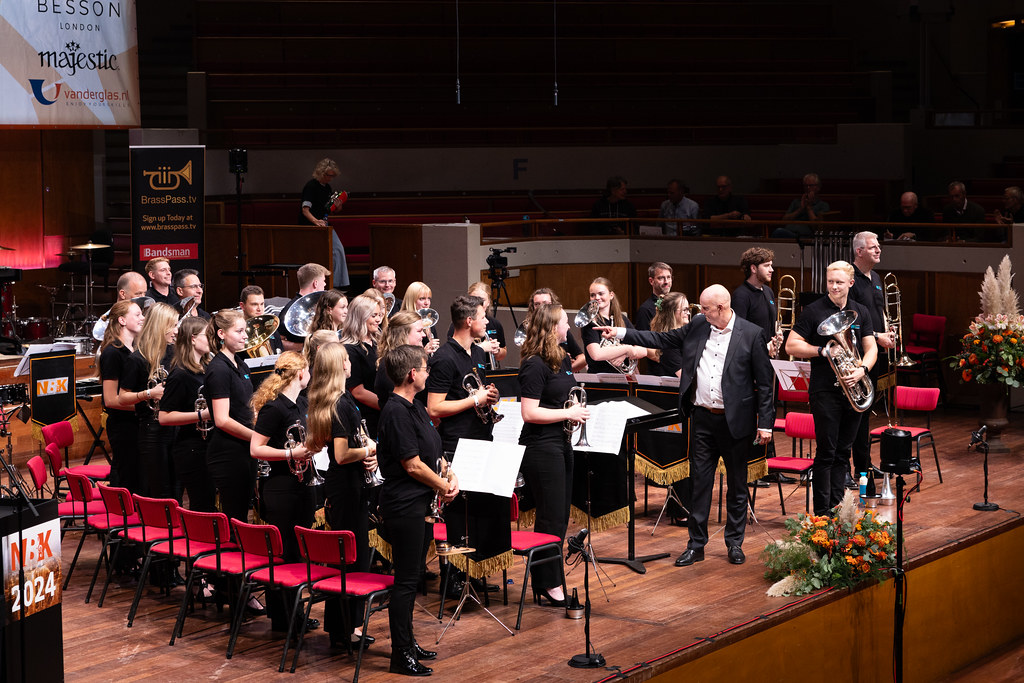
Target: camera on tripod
896,450
497,265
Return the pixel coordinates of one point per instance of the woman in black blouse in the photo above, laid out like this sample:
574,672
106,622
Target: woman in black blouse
124,324
334,422
545,378
409,452
178,409
285,499
405,327
360,335
673,311
600,358
148,360
228,390
330,312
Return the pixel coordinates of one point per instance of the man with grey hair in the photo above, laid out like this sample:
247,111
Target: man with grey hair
910,211
807,207
1013,203
384,279
131,285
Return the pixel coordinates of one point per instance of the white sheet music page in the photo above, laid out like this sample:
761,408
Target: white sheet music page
606,425
793,375
486,466
508,430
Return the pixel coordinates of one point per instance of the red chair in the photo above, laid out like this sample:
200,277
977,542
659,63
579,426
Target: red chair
920,399
212,554
528,544
79,506
264,541
924,345
337,550
160,535
62,435
799,426
111,525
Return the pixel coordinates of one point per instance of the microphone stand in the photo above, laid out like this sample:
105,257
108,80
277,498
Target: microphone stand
591,659
900,609
979,442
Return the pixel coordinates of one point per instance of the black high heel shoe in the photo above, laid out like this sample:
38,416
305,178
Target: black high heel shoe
404,662
540,596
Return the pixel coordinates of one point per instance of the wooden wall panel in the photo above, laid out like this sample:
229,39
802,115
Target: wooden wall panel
398,246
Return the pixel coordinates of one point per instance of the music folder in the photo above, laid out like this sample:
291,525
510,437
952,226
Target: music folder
487,466
793,375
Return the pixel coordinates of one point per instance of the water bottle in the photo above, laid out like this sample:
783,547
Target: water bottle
863,484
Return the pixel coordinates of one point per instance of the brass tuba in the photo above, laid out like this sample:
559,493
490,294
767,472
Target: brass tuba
487,414
588,314
577,395
842,354
259,330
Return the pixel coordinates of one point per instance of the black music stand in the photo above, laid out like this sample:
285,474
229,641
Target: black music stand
657,418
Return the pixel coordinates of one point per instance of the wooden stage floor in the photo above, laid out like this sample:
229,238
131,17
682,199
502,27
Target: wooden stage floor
645,617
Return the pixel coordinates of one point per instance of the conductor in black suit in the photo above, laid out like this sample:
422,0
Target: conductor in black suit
725,386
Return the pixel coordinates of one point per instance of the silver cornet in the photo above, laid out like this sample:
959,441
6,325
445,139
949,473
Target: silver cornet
373,477
588,314
435,515
487,414
577,395
159,377
203,426
296,434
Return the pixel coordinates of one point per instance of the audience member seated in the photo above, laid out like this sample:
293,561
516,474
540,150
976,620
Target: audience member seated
612,204
962,210
1013,204
679,206
910,211
808,207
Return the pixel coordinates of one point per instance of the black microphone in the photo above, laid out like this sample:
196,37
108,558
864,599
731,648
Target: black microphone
575,544
977,436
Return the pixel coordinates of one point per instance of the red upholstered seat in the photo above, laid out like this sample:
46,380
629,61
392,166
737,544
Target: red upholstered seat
59,437
292,574
787,464
537,548
358,584
160,535
524,540
918,399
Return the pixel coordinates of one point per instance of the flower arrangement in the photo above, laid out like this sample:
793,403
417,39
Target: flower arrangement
838,550
993,348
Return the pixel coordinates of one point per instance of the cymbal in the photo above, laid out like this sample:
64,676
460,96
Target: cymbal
90,245
3,248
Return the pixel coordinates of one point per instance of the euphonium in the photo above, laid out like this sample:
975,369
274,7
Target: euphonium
487,414
259,330
158,377
203,426
577,395
785,306
296,434
373,477
842,354
589,313
893,319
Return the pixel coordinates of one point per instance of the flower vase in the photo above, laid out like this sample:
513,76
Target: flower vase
995,411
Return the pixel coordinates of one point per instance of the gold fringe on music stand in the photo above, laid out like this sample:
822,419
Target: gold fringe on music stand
613,518
382,546
486,567
527,518
37,431
320,520
757,470
663,476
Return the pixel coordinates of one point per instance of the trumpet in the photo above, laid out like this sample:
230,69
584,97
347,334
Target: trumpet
436,513
785,306
389,303
589,313
203,426
373,477
842,354
577,395
296,434
158,377
487,414
429,317
892,319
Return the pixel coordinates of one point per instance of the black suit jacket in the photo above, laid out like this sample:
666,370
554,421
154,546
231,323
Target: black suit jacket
747,382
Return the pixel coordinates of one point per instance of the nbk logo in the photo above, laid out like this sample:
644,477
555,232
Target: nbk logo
37,91
50,387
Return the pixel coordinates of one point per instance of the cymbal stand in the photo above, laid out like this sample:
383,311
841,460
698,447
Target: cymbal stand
9,321
468,592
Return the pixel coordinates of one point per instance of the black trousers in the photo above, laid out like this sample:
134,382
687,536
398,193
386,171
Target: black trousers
712,440
862,443
286,503
348,510
154,453
233,473
124,451
835,429
409,537
547,468
189,457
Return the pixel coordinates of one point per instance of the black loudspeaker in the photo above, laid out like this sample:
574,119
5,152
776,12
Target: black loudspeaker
238,161
897,455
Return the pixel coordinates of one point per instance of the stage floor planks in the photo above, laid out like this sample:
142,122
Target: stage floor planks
645,616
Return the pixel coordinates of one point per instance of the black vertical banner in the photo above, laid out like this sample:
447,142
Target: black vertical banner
168,201
53,387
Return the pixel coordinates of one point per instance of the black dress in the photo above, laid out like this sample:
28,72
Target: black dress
156,470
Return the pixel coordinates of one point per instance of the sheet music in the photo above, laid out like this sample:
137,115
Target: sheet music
33,349
793,375
487,467
321,460
607,424
261,361
508,430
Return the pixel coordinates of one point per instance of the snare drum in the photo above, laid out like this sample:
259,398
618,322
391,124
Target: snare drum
31,329
83,345
13,394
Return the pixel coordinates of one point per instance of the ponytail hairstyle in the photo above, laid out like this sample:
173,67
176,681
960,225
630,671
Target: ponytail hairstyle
183,345
324,395
397,334
322,319
614,309
664,320
288,366
542,336
152,340
114,327
223,319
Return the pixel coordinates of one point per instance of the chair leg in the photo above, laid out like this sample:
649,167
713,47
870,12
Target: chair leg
111,563
504,586
526,579
179,623
139,588
292,618
236,623
103,556
935,453
366,625
782,501
74,560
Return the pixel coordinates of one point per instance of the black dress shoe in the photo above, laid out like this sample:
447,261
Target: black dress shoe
541,596
762,483
366,639
679,521
481,587
423,654
689,556
736,555
785,478
404,662
850,483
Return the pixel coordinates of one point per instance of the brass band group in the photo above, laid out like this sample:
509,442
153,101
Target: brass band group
369,381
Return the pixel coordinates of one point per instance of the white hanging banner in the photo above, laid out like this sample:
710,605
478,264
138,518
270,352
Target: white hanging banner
69,63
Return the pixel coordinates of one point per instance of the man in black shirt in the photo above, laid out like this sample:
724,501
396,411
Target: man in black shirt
910,211
835,420
190,293
659,275
159,272
754,299
312,277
